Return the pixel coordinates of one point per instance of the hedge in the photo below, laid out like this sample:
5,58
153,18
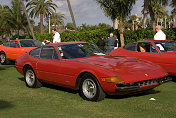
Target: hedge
93,35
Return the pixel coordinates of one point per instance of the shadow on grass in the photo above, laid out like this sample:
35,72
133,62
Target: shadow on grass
5,104
51,86
4,67
137,94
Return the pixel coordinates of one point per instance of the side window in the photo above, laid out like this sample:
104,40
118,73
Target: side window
49,52
14,44
35,52
131,47
146,47
7,44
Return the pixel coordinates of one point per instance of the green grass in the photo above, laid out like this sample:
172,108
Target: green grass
19,101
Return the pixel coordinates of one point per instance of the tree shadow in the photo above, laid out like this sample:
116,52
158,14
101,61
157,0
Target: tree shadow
137,94
5,104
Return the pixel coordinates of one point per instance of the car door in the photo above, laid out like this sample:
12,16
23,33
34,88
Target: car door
143,50
13,51
48,65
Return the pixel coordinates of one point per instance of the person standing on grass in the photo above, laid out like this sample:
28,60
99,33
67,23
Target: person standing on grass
110,43
160,34
56,37
101,43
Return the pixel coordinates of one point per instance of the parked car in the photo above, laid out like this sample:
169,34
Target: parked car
161,52
12,49
82,66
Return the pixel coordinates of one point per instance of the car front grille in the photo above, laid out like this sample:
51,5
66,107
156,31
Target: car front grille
144,83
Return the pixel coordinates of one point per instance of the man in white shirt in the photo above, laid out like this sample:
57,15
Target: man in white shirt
56,37
160,34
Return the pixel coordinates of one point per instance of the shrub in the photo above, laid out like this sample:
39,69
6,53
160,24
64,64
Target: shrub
92,36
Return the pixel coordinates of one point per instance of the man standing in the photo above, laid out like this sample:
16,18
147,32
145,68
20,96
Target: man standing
56,37
110,43
160,34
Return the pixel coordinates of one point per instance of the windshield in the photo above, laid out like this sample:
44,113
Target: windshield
165,46
79,50
30,43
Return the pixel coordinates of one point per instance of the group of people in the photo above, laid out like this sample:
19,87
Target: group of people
112,43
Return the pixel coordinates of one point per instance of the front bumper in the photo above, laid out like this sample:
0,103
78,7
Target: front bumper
141,85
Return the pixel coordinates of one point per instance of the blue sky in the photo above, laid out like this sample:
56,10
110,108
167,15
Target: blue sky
86,11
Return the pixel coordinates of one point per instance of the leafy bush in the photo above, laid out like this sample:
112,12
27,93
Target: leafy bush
92,36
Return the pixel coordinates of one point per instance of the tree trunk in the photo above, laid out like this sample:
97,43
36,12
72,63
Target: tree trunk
145,13
173,21
165,18
49,24
29,23
157,20
115,24
71,13
169,24
133,25
161,22
152,16
121,31
41,23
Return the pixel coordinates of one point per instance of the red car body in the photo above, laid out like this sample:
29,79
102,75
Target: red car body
13,49
155,51
135,74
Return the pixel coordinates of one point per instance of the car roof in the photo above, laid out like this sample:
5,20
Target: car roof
154,40
20,39
64,43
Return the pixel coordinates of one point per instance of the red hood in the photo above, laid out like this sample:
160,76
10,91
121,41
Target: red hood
127,68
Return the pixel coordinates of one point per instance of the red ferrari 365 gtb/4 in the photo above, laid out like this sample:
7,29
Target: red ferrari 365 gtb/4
11,50
82,66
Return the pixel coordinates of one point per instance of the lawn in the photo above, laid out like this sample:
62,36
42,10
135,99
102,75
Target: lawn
19,101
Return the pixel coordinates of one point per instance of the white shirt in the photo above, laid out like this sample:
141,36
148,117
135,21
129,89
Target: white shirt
57,38
160,35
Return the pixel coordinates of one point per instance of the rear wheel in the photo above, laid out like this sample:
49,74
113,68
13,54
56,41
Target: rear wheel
90,89
3,58
30,78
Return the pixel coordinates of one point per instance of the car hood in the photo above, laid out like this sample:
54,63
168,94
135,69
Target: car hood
127,68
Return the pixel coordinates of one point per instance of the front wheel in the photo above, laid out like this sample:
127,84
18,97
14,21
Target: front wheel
90,89
30,78
3,58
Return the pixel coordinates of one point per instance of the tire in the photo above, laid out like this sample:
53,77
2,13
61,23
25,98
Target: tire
3,58
31,79
90,89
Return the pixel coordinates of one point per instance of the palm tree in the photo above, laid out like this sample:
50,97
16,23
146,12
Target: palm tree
27,17
41,8
149,7
117,9
71,13
5,27
173,17
173,4
17,19
13,18
56,19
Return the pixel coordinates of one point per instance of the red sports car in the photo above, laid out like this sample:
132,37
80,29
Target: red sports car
161,52
82,66
13,49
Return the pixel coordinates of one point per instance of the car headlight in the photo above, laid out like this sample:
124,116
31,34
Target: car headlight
115,79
